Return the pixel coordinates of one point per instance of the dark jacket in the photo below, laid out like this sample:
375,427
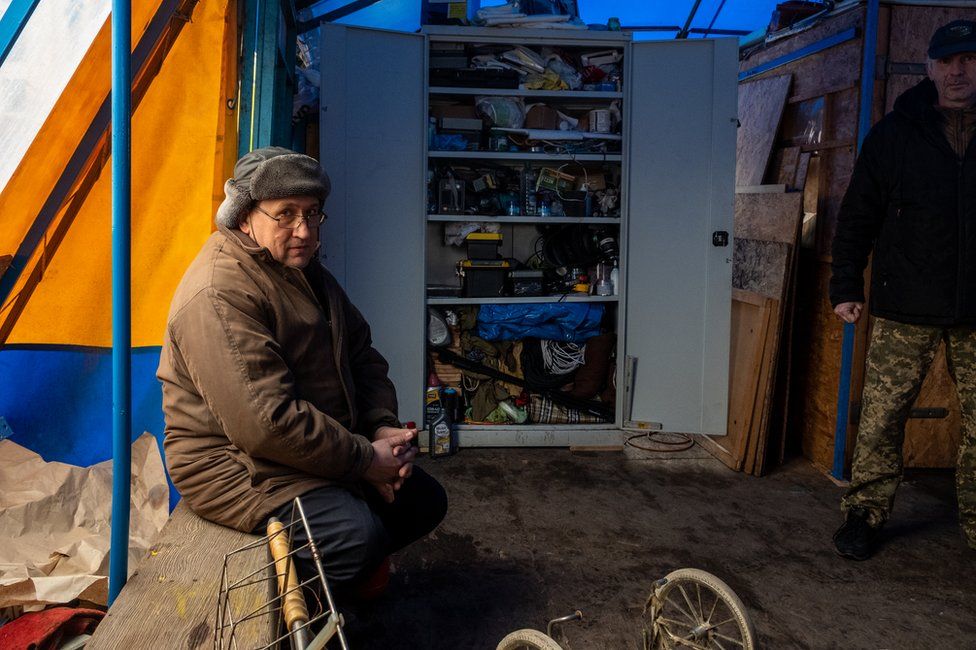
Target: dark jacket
267,392
913,200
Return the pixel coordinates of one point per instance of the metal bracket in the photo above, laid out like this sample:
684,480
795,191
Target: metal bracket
884,68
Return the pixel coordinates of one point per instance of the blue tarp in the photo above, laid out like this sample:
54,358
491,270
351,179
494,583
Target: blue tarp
572,322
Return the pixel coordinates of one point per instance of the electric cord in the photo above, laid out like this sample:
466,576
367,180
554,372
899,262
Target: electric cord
562,358
677,441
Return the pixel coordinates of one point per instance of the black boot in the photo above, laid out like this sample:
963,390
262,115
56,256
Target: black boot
856,539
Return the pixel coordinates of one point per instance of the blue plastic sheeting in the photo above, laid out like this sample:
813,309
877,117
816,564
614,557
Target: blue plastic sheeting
58,401
556,321
745,15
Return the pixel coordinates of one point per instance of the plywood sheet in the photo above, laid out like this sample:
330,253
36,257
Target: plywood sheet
817,342
752,318
787,160
760,110
836,167
769,217
754,266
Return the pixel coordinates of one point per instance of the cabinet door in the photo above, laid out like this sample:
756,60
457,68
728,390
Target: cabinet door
680,185
372,145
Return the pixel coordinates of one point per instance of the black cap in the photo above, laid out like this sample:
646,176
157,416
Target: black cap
954,38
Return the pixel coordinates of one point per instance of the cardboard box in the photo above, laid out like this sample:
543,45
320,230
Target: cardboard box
541,117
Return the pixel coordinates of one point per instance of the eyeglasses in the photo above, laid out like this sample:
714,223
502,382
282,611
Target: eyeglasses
291,220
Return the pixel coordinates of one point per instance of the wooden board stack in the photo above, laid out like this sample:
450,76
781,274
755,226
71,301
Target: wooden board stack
767,229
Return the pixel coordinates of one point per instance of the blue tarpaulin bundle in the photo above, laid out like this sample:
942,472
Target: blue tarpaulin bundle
557,321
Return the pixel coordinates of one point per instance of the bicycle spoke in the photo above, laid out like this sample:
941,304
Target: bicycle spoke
681,609
688,600
701,609
663,619
718,625
714,605
720,646
729,639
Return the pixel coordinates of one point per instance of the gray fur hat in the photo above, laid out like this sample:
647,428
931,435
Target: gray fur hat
270,173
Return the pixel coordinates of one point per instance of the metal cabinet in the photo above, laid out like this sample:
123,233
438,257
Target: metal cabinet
677,168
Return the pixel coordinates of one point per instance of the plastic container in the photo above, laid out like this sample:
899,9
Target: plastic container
483,245
482,279
443,432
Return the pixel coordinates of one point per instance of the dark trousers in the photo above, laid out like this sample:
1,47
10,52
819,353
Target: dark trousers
354,533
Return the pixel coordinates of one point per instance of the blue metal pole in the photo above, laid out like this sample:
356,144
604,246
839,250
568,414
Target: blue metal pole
121,295
12,22
843,401
847,348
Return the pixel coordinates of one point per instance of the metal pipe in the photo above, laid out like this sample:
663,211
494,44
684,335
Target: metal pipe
691,16
847,348
121,295
721,5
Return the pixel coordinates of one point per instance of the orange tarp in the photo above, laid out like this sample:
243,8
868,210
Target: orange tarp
178,157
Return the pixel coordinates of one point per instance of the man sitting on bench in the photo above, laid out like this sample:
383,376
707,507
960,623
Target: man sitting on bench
272,389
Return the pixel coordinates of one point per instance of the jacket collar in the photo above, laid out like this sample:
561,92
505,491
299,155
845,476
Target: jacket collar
918,102
249,246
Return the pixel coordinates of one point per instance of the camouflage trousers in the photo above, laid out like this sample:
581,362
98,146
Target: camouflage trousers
898,360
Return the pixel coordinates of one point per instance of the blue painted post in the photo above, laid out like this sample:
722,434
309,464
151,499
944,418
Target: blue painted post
847,348
121,295
12,22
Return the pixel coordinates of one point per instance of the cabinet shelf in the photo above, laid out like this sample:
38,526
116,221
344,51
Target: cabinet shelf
525,155
440,300
519,92
518,219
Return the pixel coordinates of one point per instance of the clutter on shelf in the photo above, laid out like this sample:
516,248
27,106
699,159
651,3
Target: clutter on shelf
553,364
527,189
549,14
525,67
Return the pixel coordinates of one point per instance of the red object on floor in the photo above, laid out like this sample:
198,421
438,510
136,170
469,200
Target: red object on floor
373,585
45,630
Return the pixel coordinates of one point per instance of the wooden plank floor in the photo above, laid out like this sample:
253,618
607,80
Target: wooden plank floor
171,599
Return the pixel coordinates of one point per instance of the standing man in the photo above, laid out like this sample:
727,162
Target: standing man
272,389
912,201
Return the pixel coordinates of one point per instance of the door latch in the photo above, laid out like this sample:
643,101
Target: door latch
720,238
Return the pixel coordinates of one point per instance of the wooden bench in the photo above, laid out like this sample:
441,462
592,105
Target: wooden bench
171,599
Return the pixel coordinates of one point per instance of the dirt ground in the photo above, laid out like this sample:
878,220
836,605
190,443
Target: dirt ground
533,534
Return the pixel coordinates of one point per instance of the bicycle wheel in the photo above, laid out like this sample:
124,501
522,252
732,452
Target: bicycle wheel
694,609
528,639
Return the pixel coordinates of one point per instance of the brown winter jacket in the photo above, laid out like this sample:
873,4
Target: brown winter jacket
265,393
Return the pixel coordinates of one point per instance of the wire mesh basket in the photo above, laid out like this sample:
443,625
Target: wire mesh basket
269,602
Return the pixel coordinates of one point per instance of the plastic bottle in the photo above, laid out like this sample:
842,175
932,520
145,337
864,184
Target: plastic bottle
432,399
443,438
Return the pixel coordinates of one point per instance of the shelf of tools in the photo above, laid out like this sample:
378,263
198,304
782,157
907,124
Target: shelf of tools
524,187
